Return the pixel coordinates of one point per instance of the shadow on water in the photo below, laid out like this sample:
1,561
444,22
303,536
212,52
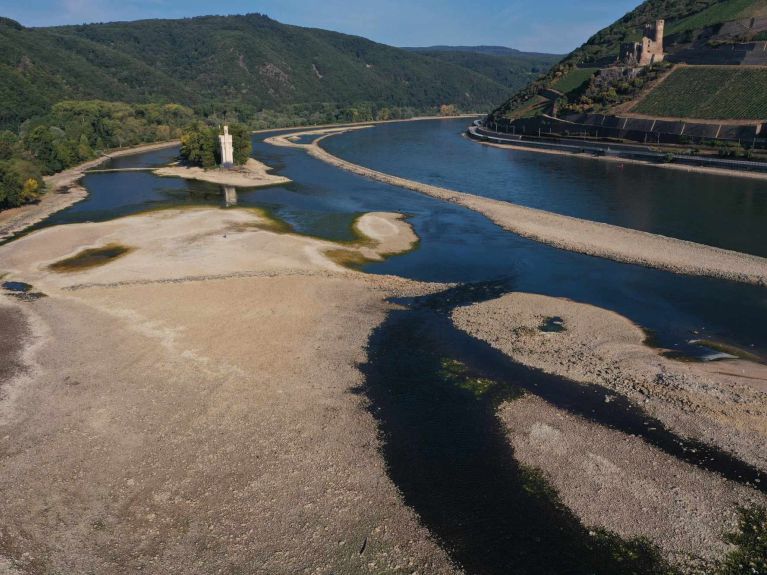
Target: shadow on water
434,391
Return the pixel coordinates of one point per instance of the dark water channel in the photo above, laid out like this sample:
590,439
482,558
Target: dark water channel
434,389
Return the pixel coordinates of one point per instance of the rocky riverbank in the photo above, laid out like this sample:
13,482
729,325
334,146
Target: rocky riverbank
612,479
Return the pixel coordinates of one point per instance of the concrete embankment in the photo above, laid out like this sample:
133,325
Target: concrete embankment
625,153
565,232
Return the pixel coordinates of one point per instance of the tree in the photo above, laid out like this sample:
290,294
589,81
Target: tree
241,141
198,146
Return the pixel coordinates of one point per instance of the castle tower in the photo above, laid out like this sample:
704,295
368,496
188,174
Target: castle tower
227,148
660,29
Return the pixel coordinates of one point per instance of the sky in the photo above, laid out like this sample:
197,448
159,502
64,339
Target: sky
555,26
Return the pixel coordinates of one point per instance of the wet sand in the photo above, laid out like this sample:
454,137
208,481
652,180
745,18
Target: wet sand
253,174
573,234
186,424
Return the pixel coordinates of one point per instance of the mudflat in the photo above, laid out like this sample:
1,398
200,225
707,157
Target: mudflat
193,407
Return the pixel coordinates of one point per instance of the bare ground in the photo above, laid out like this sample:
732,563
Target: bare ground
177,424
608,478
253,174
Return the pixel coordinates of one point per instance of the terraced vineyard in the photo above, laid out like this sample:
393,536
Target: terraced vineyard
709,93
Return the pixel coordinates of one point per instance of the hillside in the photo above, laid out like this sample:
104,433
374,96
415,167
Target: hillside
697,31
505,66
234,64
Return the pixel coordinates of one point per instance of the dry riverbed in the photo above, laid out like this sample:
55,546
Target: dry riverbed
190,404
611,479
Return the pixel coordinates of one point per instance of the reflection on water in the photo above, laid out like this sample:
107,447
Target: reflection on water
230,196
721,211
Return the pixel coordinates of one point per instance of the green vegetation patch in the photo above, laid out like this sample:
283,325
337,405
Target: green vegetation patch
721,12
91,258
457,373
709,93
750,555
574,80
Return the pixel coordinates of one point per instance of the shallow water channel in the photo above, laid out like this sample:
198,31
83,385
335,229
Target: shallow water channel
432,388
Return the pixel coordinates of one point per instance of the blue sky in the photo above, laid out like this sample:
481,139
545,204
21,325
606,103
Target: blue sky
540,25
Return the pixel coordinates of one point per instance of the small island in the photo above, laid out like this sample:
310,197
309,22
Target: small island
208,156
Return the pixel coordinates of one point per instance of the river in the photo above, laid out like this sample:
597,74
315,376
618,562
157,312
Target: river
443,445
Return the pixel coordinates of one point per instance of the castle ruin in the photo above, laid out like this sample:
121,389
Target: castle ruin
647,52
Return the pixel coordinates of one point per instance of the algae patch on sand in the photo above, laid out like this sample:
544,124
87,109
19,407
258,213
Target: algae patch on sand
91,258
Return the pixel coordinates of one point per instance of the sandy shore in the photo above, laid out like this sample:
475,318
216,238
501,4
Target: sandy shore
574,234
616,481
253,174
62,190
683,509
181,424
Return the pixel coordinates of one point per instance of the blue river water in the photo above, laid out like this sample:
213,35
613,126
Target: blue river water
458,245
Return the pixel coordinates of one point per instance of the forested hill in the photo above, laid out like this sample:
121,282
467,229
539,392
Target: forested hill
233,64
687,21
507,66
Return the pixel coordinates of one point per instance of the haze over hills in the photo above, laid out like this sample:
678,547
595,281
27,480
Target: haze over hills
239,65
697,32
506,66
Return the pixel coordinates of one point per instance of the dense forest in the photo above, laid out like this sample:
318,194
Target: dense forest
239,67
69,93
76,131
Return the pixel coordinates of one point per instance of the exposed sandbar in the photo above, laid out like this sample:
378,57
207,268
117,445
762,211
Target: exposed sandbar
62,190
608,478
253,174
716,403
188,424
618,482
573,234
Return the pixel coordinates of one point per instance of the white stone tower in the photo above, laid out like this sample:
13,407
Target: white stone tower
227,148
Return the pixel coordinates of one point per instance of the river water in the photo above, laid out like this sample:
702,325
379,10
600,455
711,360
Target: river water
458,245
443,445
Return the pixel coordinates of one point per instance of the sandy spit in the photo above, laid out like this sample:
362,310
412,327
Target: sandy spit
610,479
573,234
253,174
618,482
175,425
63,190
723,403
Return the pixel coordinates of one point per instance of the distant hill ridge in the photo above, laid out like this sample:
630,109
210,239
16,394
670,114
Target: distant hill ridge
697,31
236,64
